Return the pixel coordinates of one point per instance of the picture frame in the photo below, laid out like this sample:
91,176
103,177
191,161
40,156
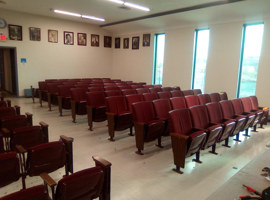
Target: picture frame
82,39
94,40
117,43
126,43
53,36
68,38
15,32
108,41
146,40
135,42
34,34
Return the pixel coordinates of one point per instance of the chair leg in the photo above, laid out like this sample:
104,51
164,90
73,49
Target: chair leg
213,151
227,143
139,152
246,133
177,170
130,131
197,159
237,138
159,142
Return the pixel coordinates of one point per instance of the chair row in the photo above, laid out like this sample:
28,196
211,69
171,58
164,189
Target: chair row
193,126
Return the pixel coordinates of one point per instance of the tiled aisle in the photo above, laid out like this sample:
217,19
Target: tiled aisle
147,177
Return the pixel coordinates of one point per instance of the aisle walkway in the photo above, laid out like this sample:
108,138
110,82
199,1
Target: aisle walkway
147,177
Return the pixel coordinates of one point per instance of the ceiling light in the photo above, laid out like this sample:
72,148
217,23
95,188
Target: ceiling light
92,17
78,15
132,5
67,13
136,6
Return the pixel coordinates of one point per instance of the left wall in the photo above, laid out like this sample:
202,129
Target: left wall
47,60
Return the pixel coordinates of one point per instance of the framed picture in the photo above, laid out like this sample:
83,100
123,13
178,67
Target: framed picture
135,42
68,38
108,41
126,43
146,40
81,37
117,43
94,40
34,33
53,36
15,32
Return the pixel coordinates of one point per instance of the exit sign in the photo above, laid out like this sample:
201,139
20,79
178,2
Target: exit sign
2,38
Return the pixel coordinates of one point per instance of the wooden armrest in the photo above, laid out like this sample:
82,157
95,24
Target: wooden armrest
102,162
111,114
139,123
21,149
66,139
5,131
229,119
28,114
48,180
179,135
43,124
213,123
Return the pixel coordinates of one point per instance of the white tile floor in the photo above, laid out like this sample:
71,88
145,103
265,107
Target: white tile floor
147,177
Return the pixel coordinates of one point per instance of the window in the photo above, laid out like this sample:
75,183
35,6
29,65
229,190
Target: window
249,59
201,44
159,46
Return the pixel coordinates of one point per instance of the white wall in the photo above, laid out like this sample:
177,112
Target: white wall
55,60
222,66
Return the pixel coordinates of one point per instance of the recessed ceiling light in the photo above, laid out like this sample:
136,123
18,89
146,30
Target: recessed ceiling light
132,5
78,15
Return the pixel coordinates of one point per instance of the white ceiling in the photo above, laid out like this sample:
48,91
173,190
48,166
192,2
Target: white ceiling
244,10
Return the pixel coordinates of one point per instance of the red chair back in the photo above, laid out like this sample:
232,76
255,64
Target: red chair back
95,99
176,93
154,90
162,108
164,95
181,120
200,117
215,97
64,90
247,105
192,100
128,91
197,91
178,102
142,90
237,106
187,92
215,112
116,104
150,96
143,111
78,94
112,93
133,98
204,99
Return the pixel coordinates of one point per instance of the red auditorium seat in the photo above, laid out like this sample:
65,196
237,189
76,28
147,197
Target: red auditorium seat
216,117
223,96
197,91
96,89
204,99
142,90
155,90
186,140
52,94
128,91
96,108
47,157
178,102
166,89
164,95
201,121
34,193
215,97
239,111
133,98
64,98
176,93
187,92
162,108
87,184
78,102
42,92
228,113
255,106
9,168
192,100
118,116
247,105
147,127
113,93
150,96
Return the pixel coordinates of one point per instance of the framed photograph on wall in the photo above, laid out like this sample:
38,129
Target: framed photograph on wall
108,41
34,33
94,40
135,42
15,32
146,40
117,43
68,38
126,43
81,37
53,36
